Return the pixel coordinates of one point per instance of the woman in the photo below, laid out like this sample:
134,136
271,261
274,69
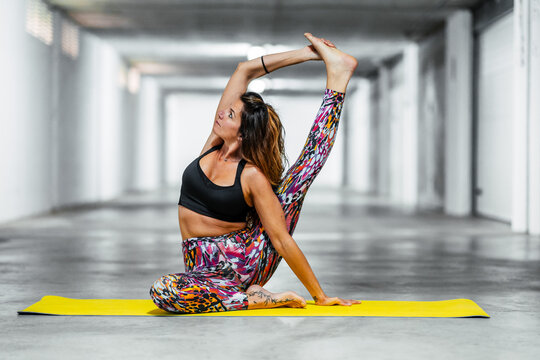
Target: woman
234,236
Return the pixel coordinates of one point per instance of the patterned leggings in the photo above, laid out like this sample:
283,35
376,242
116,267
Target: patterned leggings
219,269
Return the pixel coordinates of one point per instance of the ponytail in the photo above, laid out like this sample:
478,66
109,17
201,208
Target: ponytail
263,139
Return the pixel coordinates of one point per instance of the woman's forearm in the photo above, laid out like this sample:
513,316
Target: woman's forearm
298,263
254,68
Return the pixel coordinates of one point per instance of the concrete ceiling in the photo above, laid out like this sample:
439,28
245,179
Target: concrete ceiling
208,37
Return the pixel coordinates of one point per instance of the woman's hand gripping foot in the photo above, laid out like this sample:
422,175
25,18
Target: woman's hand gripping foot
339,66
336,60
313,54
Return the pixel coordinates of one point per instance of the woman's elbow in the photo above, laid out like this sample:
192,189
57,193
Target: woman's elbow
281,243
241,66
245,68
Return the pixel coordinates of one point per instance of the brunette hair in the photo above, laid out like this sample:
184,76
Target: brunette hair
263,140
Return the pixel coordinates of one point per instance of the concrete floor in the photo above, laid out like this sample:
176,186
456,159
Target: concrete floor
359,247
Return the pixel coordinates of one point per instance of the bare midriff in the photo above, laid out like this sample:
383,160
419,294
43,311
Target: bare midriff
193,224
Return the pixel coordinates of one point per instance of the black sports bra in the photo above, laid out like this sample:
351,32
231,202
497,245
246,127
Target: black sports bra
201,195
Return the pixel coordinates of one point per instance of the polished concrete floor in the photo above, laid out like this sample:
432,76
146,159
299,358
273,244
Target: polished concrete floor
359,247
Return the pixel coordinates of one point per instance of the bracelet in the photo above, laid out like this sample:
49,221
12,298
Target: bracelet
265,69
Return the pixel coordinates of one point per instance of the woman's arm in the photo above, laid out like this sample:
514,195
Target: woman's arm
273,220
248,70
254,69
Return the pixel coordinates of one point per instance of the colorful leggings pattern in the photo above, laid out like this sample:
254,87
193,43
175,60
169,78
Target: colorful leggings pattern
219,269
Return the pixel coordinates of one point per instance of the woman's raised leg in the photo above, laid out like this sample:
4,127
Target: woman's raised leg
320,140
299,177
260,254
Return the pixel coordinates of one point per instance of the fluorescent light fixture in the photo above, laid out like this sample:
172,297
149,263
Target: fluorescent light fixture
99,20
133,80
156,68
70,39
39,21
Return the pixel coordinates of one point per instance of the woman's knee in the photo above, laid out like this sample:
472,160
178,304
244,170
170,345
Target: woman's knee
161,285
166,292
179,293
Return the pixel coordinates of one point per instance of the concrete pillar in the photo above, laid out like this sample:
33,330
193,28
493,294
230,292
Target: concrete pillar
383,138
458,114
526,121
534,118
373,116
162,155
409,154
54,153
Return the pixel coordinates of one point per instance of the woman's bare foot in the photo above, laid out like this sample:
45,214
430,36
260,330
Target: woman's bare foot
328,42
260,298
336,60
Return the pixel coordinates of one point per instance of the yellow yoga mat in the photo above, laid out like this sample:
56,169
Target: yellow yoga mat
57,305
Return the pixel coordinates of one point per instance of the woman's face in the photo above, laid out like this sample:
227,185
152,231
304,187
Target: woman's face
228,120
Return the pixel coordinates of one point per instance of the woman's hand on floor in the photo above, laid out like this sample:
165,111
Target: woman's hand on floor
335,301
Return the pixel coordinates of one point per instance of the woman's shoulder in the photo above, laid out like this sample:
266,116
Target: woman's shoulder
257,184
253,174
252,169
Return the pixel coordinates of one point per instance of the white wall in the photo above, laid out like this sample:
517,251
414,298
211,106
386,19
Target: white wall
526,118
64,134
147,172
189,120
110,122
90,124
25,117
